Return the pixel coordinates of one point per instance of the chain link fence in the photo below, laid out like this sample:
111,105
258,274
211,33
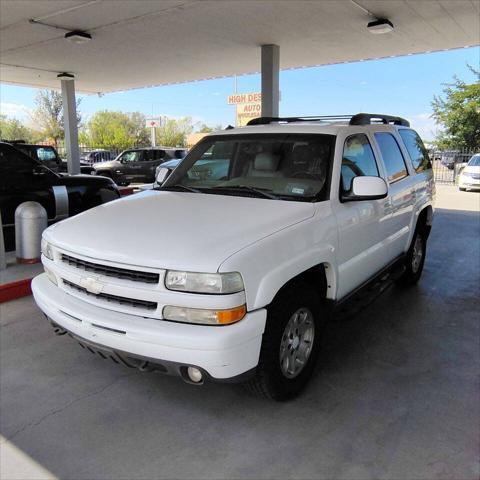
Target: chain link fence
447,164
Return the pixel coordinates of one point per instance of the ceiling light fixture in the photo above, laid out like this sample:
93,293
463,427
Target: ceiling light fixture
65,76
77,36
382,25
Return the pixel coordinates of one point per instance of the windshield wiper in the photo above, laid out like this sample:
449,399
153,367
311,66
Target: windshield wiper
259,191
179,186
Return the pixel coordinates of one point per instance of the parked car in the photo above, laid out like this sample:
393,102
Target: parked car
48,156
137,165
97,156
230,276
23,178
448,159
470,176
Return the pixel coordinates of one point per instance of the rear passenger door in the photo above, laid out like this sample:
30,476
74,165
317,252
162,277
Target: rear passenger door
401,187
153,158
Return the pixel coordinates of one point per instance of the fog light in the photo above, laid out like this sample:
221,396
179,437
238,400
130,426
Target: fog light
51,276
194,374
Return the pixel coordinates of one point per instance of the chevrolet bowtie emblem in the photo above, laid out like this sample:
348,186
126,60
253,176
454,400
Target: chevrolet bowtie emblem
91,285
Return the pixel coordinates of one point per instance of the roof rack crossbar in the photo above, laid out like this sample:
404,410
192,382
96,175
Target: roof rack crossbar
366,119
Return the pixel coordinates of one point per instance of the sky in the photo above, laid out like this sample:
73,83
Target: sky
402,86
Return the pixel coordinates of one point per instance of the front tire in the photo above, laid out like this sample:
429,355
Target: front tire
415,258
290,344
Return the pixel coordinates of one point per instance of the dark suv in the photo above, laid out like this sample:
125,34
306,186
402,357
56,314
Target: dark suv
138,165
48,156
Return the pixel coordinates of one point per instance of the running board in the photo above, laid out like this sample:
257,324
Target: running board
366,293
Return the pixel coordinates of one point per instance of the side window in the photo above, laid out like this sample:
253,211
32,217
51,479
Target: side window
17,170
132,156
392,156
358,160
46,154
156,154
416,149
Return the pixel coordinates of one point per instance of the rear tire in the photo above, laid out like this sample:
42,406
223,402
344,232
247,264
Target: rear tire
290,344
462,189
415,258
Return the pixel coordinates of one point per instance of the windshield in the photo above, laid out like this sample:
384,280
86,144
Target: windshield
474,161
286,167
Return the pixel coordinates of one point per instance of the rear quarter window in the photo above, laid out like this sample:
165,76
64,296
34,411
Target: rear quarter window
416,149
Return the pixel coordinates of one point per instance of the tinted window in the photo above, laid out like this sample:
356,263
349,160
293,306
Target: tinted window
416,149
358,160
46,153
155,154
392,156
18,171
131,156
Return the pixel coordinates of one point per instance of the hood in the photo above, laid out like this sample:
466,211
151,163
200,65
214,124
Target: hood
472,169
107,164
175,230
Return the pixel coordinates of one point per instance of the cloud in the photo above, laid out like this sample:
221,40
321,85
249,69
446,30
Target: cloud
15,110
425,125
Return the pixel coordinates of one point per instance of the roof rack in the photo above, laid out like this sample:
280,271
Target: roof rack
366,119
357,119
320,118
13,142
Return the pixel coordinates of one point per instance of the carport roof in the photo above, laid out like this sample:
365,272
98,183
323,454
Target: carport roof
148,42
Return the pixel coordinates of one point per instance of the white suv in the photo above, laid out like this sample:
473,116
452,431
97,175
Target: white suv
228,270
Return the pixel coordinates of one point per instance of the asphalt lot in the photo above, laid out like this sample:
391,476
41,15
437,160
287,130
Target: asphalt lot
395,395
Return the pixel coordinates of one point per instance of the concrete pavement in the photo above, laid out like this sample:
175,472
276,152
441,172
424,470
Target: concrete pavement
395,395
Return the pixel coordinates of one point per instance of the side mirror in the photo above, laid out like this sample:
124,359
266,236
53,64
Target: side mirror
162,174
367,188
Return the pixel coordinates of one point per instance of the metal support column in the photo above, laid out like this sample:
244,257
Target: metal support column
71,128
270,80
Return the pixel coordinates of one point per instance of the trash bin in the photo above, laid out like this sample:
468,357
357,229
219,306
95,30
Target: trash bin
30,221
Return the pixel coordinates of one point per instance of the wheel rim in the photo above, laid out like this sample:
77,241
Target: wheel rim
417,254
297,342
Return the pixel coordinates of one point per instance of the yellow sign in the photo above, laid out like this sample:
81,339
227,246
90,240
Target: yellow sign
248,106
241,98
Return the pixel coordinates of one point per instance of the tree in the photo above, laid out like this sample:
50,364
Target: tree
173,133
107,129
458,111
13,129
48,114
204,128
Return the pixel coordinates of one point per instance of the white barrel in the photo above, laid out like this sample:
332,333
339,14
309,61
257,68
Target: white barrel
30,221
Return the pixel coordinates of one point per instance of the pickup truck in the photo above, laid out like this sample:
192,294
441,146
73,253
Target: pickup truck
23,179
229,276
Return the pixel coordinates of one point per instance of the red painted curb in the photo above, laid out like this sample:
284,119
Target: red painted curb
126,191
14,290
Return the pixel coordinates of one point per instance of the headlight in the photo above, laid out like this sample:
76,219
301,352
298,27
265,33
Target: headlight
466,174
219,283
46,249
204,316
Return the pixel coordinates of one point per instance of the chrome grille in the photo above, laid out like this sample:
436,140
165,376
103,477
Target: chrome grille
129,302
123,273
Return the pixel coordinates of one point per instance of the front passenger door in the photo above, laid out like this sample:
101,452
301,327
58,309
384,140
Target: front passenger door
361,223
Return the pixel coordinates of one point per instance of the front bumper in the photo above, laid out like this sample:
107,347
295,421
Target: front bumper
223,352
